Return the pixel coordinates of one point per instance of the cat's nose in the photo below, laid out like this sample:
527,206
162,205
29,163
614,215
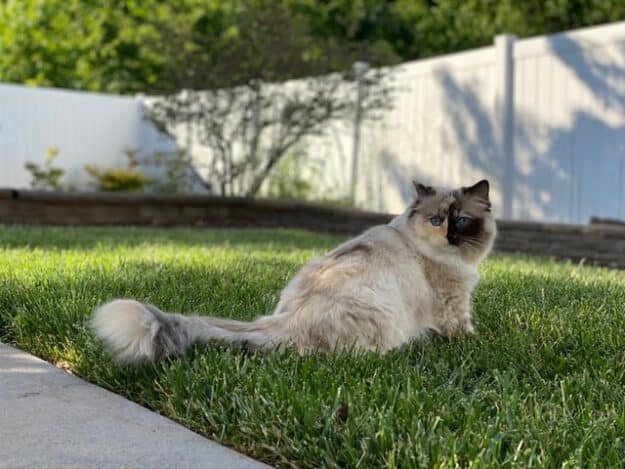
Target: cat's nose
453,238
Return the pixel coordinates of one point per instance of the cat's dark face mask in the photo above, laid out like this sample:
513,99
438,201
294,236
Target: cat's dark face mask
461,217
462,227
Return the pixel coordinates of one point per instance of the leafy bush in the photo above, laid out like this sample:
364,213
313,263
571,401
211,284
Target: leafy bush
46,176
118,179
127,179
178,173
299,177
286,180
139,46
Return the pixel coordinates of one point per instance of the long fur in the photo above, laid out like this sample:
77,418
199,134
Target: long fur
392,284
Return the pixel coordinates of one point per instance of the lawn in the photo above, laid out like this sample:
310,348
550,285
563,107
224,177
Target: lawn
542,383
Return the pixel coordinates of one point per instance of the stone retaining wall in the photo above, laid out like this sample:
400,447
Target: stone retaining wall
102,208
597,243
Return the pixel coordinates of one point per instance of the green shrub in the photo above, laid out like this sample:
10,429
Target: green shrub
177,169
127,179
286,180
46,176
299,177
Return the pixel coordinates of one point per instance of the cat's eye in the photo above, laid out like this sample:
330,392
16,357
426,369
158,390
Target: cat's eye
436,221
463,222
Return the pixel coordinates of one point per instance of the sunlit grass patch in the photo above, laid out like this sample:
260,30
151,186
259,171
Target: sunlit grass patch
542,382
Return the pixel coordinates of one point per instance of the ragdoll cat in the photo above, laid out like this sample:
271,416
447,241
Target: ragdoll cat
378,291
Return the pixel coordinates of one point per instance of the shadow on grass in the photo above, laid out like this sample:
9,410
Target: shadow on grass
526,321
540,336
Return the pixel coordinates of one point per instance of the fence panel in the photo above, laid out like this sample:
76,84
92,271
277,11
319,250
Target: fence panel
440,131
570,125
85,128
542,118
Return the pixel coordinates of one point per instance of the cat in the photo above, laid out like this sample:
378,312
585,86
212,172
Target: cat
392,284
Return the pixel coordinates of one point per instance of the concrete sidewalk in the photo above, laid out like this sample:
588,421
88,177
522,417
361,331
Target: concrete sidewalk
51,419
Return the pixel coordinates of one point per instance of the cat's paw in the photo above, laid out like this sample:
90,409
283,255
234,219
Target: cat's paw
456,327
468,327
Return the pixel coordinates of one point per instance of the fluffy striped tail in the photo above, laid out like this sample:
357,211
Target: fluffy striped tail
136,333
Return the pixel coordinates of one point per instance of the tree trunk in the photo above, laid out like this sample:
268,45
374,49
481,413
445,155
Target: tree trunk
258,180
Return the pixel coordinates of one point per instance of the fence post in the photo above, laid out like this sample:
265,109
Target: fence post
504,117
360,68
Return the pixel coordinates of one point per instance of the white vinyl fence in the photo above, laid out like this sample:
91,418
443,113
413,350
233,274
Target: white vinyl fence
542,118
85,128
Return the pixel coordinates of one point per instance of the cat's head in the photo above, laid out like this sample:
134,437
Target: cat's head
457,221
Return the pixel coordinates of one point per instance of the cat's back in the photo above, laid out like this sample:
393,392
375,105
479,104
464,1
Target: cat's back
379,245
377,253
370,290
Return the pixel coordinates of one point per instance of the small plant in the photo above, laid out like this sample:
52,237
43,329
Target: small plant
46,176
298,177
179,175
287,181
127,179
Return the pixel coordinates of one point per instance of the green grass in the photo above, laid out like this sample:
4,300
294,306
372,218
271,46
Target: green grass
542,383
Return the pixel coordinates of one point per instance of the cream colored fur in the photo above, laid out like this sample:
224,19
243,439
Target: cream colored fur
392,284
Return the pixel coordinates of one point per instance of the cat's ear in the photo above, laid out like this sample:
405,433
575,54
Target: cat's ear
479,189
423,191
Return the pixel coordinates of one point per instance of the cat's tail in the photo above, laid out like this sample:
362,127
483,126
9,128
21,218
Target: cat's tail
135,333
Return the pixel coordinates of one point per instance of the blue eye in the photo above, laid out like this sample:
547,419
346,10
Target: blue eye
462,222
436,221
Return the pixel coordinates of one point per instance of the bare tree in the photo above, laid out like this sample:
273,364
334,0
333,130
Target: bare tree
243,113
248,129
